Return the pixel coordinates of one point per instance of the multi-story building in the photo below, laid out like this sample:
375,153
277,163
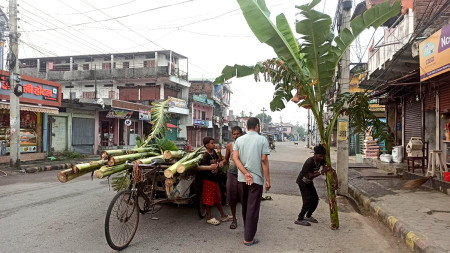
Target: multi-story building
408,70
128,83
209,106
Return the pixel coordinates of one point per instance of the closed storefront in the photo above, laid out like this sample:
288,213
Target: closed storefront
83,135
413,118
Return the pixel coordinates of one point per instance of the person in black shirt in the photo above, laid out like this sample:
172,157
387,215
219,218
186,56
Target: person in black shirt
211,192
310,170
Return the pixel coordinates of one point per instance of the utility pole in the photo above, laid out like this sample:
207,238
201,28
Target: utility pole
264,114
308,132
344,80
13,65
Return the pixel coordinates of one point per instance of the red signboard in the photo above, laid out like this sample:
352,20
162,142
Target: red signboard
35,90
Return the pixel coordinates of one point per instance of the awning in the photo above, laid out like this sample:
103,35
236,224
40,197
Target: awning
171,125
31,108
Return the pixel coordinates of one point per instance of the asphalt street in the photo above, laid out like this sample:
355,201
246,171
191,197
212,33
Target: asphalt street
39,214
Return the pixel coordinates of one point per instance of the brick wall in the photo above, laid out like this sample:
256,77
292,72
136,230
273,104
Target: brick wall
201,88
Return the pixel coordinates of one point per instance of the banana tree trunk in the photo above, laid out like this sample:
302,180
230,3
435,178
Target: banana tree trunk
189,164
331,193
149,160
172,170
115,160
67,175
106,154
108,171
82,167
173,154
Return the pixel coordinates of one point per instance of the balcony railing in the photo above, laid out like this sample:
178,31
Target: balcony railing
60,73
394,40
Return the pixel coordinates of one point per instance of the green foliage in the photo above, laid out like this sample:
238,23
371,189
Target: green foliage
121,181
165,144
159,121
301,131
267,118
72,155
138,141
308,69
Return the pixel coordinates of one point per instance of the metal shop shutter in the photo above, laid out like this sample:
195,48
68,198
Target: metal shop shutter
413,118
444,98
131,93
83,134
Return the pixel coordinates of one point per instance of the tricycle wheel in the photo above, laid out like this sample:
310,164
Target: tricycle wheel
122,220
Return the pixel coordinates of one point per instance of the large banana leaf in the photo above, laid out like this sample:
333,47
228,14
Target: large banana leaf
279,37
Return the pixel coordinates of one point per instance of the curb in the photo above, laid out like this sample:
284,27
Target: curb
399,228
48,168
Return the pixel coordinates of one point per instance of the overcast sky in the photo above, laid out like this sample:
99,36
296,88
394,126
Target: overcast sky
211,33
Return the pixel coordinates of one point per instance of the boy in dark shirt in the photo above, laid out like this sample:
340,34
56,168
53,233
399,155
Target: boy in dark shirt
310,170
211,192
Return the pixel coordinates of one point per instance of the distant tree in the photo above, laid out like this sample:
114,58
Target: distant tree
267,118
301,131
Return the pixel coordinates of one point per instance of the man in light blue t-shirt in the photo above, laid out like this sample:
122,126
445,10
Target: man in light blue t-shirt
251,159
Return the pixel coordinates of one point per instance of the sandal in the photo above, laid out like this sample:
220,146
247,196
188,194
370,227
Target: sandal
233,225
255,241
266,198
228,218
213,221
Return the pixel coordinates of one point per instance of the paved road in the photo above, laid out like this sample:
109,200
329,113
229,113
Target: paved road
39,214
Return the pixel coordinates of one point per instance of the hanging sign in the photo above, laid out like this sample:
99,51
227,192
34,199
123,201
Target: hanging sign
434,54
128,122
145,115
342,130
119,114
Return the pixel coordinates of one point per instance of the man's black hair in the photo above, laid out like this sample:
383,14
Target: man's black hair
252,122
320,150
206,140
236,128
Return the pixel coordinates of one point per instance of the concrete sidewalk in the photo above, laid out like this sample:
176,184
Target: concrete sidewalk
421,217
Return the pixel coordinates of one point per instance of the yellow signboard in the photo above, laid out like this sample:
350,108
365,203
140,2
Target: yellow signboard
435,54
342,130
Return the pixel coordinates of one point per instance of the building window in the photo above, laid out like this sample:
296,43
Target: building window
112,94
150,84
73,95
149,64
108,85
68,86
106,65
126,65
85,66
89,94
89,85
129,84
203,115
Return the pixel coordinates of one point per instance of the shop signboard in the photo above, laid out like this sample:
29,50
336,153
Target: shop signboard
35,91
435,54
119,114
177,102
199,98
145,115
200,122
202,99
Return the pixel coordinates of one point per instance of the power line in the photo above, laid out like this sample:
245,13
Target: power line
105,8
119,17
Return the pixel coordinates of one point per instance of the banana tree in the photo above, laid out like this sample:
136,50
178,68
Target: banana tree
304,72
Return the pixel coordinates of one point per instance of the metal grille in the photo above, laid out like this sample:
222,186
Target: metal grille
83,132
413,118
